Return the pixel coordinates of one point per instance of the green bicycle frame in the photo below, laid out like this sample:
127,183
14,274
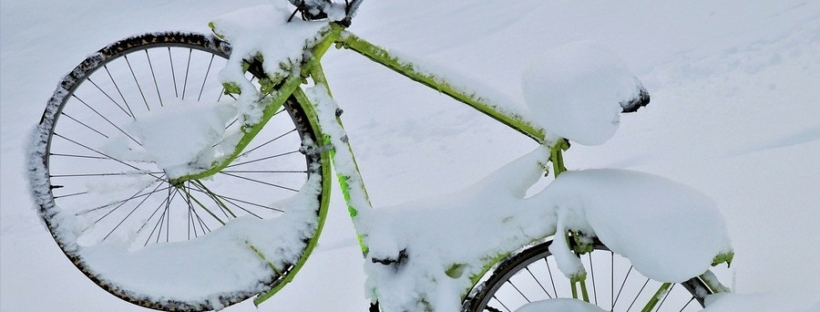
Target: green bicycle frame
337,35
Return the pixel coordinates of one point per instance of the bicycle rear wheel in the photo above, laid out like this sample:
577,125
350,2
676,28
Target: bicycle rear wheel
105,195
613,284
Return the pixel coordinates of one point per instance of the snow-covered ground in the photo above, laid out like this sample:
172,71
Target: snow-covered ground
735,113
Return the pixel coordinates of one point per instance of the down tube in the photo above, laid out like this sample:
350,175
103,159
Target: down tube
441,84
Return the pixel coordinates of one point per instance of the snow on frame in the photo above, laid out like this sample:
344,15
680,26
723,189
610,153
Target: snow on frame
448,240
669,231
263,30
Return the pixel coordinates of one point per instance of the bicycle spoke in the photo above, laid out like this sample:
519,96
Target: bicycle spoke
127,112
263,158
266,171
104,154
192,213
207,72
77,156
552,279
225,210
665,296
502,304
173,73
83,124
128,215
158,225
79,175
622,287
268,142
70,195
191,222
687,304
233,201
592,273
170,197
203,227
137,82
118,91
518,290
154,76
108,120
201,205
612,280
120,202
539,282
260,182
638,295
187,70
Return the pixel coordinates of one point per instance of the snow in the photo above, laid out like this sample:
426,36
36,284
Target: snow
733,113
466,229
179,137
787,301
575,91
670,232
559,305
250,31
244,255
646,218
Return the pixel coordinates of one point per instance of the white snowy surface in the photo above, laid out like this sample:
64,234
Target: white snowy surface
559,305
795,300
733,113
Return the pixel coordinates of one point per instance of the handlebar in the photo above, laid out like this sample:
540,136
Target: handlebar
325,9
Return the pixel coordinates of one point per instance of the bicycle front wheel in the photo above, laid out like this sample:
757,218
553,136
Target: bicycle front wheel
108,200
612,284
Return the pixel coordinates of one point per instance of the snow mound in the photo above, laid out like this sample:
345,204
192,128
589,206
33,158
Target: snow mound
180,137
264,31
559,305
576,91
791,300
670,232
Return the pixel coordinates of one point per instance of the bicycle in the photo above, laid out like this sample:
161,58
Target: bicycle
118,156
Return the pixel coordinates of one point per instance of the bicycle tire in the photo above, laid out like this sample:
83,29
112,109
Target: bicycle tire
532,275
73,172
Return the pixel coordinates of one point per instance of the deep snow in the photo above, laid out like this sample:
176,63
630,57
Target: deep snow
734,114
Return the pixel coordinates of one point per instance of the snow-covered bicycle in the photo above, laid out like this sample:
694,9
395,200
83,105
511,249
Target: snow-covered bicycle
190,172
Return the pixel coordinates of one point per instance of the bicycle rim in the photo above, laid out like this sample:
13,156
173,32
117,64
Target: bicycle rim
89,165
612,284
